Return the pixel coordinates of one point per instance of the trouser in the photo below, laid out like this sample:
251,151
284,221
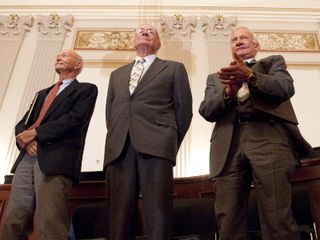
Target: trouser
32,190
260,152
128,176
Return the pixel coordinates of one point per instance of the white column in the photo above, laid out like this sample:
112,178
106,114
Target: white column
218,31
12,33
52,32
176,34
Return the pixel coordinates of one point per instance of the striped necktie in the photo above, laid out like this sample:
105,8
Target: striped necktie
136,75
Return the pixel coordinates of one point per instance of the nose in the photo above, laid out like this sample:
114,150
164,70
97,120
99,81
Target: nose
238,41
145,33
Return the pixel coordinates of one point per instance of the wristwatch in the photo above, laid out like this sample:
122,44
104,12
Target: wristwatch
252,79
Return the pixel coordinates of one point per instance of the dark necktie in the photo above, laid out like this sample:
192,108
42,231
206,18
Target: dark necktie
250,64
52,94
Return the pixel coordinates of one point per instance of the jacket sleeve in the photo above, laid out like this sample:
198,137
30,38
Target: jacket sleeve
215,105
182,100
273,80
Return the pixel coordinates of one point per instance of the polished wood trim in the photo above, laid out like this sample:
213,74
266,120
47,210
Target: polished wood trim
94,191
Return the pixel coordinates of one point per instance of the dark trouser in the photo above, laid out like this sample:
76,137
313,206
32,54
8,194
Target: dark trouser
133,173
32,189
262,152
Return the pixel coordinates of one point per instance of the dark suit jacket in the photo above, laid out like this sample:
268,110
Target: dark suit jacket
62,132
157,115
271,96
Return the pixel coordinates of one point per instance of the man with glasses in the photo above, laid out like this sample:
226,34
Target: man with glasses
148,112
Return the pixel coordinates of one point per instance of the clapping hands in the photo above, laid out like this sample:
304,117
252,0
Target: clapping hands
233,75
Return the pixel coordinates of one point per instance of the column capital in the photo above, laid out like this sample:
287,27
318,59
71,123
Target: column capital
178,26
54,26
218,25
15,27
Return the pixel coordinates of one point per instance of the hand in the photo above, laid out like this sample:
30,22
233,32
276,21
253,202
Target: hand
25,137
234,75
32,148
231,90
236,72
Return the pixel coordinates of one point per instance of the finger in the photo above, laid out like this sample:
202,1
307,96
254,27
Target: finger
236,57
227,75
231,68
226,82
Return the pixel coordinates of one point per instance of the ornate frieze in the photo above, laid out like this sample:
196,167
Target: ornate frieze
288,41
104,40
15,27
178,26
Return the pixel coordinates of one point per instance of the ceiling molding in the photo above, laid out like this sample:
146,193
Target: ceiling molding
159,8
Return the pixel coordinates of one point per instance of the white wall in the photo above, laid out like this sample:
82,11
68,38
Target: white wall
306,103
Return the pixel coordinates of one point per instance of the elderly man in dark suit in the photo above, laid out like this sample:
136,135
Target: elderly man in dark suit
148,112
255,138
51,138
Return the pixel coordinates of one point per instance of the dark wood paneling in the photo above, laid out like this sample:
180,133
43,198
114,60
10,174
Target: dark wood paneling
94,191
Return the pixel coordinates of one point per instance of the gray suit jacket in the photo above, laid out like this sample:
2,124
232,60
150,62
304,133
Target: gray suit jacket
271,95
157,115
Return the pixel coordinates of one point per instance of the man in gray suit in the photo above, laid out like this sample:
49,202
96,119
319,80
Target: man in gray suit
255,138
146,124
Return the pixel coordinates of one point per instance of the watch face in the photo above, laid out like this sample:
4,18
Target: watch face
253,79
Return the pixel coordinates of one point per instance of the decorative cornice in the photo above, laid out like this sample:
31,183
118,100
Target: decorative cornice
74,9
54,26
15,26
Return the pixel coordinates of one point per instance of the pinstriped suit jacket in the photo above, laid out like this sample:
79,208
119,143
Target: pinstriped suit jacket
271,95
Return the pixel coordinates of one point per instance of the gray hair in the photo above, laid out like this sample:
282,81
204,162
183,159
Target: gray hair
255,38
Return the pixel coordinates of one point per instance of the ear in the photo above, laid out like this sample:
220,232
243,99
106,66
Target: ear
77,65
158,46
257,46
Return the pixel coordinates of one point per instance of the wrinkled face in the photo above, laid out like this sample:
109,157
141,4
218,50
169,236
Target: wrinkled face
147,37
67,61
243,43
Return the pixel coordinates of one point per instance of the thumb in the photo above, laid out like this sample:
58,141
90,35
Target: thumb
236,57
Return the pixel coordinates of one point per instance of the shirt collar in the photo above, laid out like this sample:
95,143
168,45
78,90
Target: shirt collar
67,80
249,60
148,59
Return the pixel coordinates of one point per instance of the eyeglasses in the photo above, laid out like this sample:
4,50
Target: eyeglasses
149,31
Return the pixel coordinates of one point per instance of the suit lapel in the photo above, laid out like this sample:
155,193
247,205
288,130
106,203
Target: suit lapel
155,68
283,110
124,75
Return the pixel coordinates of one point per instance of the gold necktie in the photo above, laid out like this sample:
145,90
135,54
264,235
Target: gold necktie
136,75
244,93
